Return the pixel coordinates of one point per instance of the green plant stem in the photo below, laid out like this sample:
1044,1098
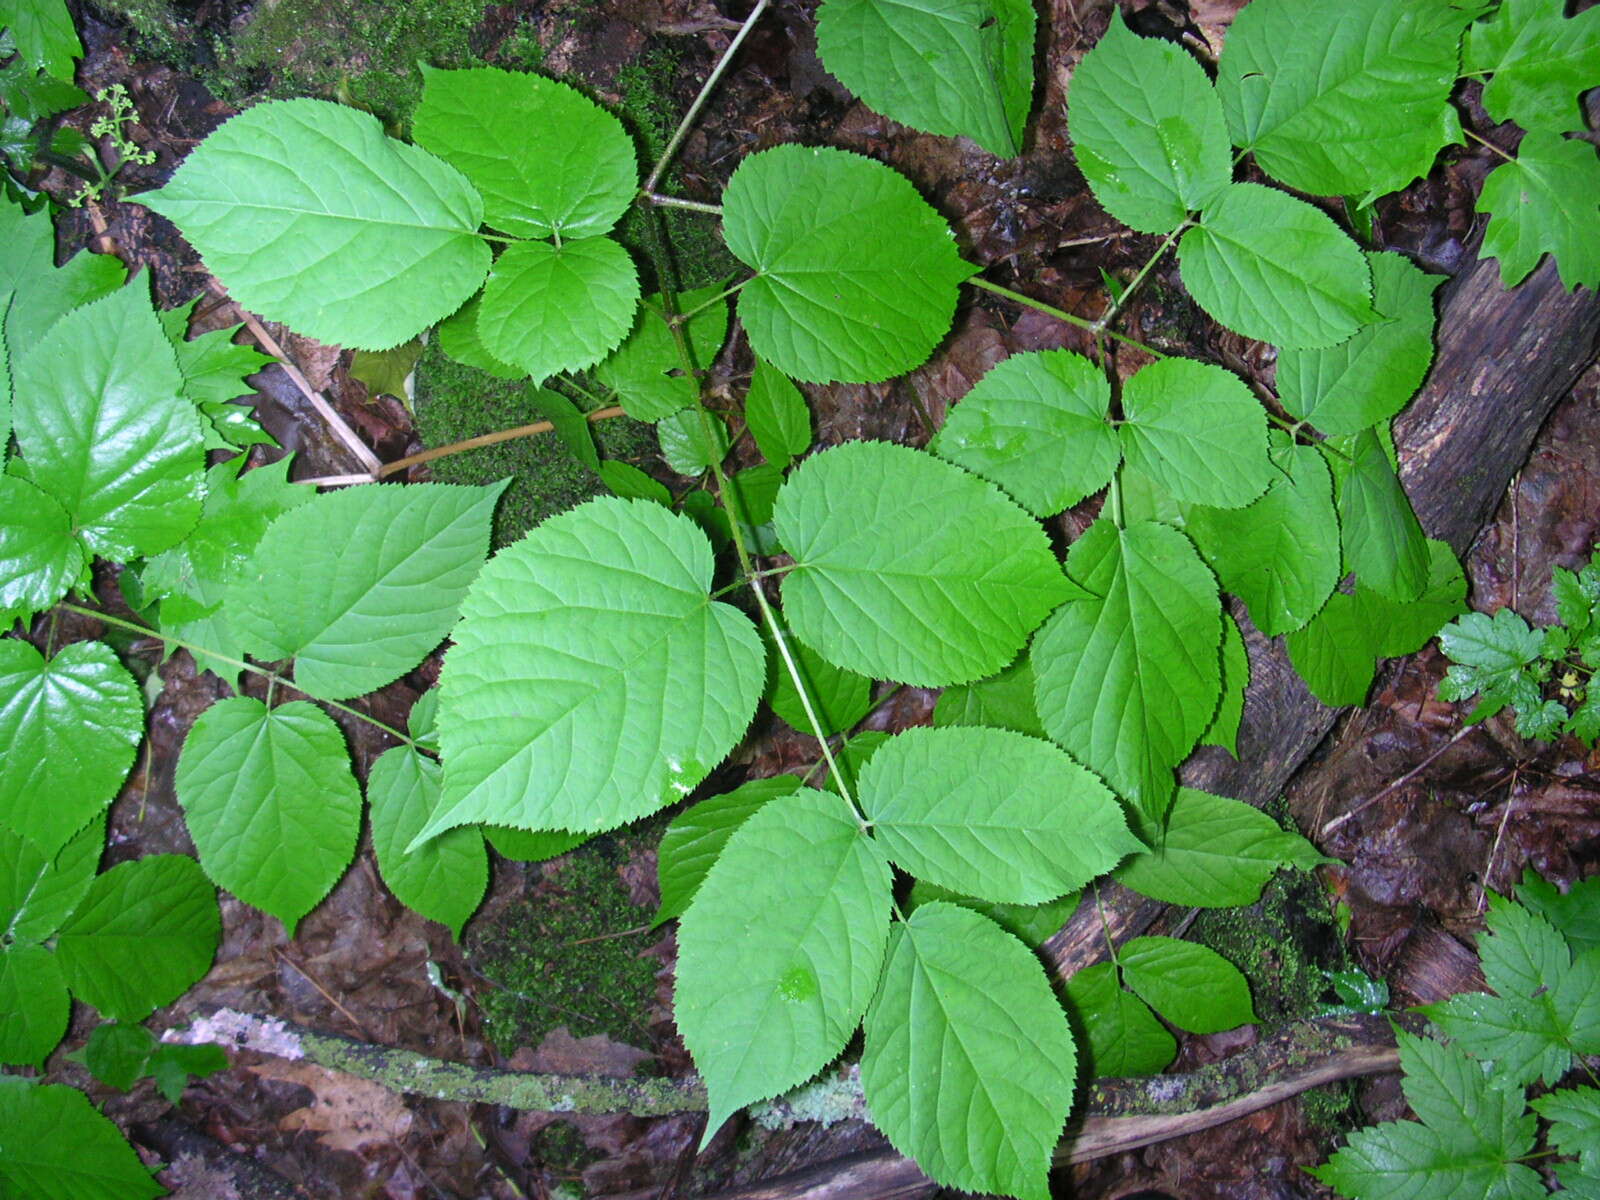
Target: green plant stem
1114,498
1118,302
747,565
272,677
683,318
678,202
1059,314
682,131
746,581
1483,141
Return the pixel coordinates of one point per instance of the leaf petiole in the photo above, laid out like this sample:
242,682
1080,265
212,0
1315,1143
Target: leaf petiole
1049,310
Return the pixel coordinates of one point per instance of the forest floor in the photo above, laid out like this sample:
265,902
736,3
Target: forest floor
560,970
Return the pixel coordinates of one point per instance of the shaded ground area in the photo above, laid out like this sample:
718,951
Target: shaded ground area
560,970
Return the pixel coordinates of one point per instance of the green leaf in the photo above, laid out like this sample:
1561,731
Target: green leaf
645,370
992,814
777,414
1540,60
1383,543
1147,130
943,590
1032,924
1003,701
1224,728
1490,655
311,216
34,1005
116,1054
1545,202
69,726
571,423
172,1065
1373,375
547,160
192,579
630,483
444,879
968,1064
38,891
1334,653
1036,425
1193,987
214,369
58,1147
1214,853
40,559
253,782
1574,1116
1124,1036
857,274
386,372
779,953
548,309
43,33
840,698
1281,554
1272,267
1406,628
1349,99
358,585
44,293
1127,677
531,845
1197,431
962,68
1575,913
692,439
696,837
144,933
459,338
591,681
103,425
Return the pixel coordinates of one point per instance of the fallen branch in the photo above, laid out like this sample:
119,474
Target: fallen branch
1117,1114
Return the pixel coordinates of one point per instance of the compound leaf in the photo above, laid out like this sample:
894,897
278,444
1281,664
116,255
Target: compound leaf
645,371
1574,913
1373,375
443,879
1574,1116
1281,554
992,814
592,681
908,568
548,309
213,365
1547,201
40,559
968,1064
1196,430
1036,425
694,840
546,159
1349,99
1003,701
143,934
105,430
69,725
38,891
1383,542
1214,853
253,782
1192,986
777,415
857,274
1147,129
59,1147
1128,673
1540,60
779,953
312,216
1124,1036
1272,267
358,585
34,1004
952,67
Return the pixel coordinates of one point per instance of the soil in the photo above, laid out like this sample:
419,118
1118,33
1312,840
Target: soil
1418,859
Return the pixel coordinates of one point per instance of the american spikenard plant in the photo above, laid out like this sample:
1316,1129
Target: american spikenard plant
603,666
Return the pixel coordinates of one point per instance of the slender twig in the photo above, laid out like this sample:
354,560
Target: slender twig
682,131
485,439
1059,314
684,317
678,202
1390,787
1483,141
272,677
1117,302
